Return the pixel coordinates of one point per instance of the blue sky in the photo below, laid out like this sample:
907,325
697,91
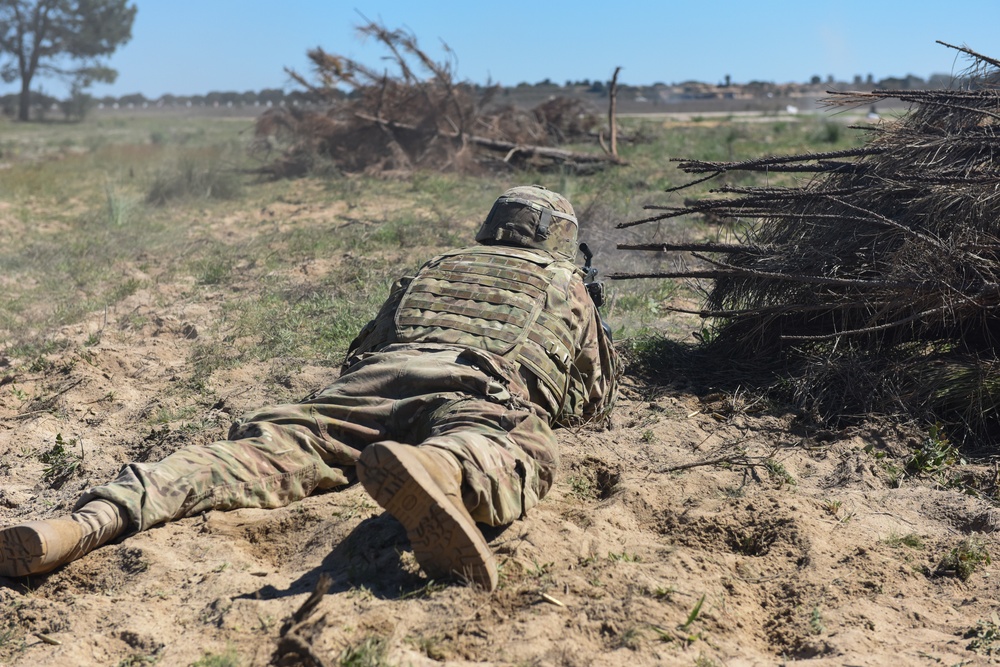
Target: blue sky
196,46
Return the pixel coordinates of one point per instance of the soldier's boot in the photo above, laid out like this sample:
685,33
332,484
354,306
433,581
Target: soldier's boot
36,547
421,487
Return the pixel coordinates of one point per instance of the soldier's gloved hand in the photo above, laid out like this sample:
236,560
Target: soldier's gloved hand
596,291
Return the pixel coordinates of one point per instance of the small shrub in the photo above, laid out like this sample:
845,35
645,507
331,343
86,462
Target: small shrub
192,181
966,558
829,132
61,463
776,470
911,540
121,208
985,637
816,622
934,455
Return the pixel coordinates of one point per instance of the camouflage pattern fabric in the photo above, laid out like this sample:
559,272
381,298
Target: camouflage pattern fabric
493,414
414,394
532,217
551,343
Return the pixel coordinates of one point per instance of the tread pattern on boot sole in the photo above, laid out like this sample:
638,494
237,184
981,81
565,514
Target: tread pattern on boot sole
21,551
444,543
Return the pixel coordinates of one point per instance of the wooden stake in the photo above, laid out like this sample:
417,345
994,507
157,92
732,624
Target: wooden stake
612,108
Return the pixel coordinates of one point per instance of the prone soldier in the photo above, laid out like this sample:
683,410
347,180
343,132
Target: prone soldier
443,411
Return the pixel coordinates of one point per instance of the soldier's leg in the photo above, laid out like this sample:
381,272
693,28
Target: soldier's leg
272,458
508,457
472,460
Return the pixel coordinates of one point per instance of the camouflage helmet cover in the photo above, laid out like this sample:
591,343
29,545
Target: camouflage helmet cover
532,217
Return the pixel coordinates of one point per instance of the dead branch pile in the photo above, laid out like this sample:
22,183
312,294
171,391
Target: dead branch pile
882,272
415,117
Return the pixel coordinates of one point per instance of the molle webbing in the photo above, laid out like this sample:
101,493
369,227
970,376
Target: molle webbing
492,302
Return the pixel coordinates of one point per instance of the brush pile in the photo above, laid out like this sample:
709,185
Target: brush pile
417,117
877,282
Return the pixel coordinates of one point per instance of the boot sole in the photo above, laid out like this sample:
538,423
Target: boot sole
22,551
445,539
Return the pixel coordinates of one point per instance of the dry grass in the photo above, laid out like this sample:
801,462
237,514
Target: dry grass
877,274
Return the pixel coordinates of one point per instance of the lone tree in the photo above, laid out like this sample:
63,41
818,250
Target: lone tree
66,38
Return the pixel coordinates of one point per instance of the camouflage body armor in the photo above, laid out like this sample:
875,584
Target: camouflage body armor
512,302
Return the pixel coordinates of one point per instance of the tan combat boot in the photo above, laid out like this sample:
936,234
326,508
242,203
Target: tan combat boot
36,547
421,487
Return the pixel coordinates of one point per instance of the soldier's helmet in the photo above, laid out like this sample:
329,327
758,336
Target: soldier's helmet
532,217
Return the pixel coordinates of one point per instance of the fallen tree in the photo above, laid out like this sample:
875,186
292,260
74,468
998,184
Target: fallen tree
876,284
416,117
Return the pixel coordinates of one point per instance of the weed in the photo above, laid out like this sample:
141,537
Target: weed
121,209
11,638
704,661
166,415
664,593
539,570
636,308
934,455
648,437
830,132
752,540
125,289
188,180
368,653
731,491
816,622
693,614
431,647
138,659
61,463
229,658
424,591
213,270
985,636
581,486
911,540
895,475
39,364
832,507
624,557
631,638
966,558
361,592
776,470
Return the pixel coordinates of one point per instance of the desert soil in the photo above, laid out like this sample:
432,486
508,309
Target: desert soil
802,546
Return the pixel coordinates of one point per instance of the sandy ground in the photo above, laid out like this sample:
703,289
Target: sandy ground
807,566
799,546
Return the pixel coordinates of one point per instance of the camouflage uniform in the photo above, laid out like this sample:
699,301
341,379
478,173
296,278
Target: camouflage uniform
479,354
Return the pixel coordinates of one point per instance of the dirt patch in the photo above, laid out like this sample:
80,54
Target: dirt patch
812,546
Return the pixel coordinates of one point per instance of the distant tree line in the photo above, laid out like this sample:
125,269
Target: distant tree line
79,103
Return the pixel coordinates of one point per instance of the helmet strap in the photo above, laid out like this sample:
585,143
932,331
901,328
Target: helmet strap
544,222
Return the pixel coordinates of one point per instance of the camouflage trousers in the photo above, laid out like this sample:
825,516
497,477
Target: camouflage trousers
423,396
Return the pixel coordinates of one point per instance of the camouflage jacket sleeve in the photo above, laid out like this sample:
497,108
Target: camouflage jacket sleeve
372,333
597,367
